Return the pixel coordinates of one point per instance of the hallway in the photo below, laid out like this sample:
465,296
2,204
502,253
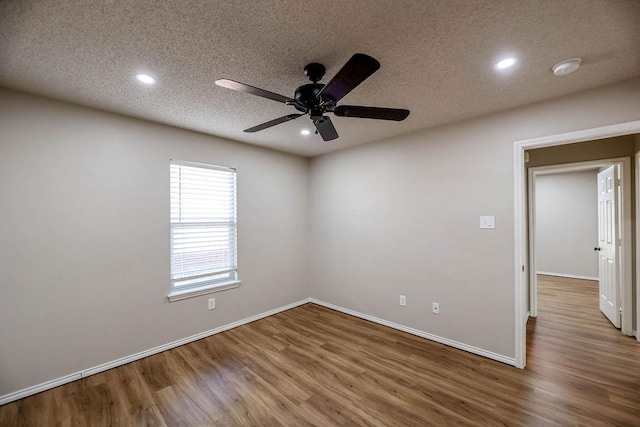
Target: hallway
589,360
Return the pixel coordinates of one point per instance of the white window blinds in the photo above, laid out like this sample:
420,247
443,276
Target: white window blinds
203,225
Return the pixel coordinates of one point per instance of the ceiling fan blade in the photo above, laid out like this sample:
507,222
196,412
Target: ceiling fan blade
273,123
355,71
325,128
371,112
241,87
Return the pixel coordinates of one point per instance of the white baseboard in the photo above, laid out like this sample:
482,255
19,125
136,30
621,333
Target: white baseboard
451,343
570,276
20,394
7,398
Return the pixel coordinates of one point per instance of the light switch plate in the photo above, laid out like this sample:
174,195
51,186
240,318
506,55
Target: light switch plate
488,222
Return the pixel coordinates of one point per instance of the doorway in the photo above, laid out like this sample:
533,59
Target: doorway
605,224
521,258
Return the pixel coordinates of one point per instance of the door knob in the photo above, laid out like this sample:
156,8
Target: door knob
596,248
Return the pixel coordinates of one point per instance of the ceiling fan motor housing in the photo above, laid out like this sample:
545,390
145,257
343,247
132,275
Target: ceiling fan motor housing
307,97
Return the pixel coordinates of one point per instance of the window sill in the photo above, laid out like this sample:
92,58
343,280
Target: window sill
203,290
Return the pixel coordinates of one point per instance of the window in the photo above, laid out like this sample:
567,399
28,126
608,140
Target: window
203,229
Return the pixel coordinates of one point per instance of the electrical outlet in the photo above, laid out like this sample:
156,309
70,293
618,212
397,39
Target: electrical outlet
436,308
212,303
403,300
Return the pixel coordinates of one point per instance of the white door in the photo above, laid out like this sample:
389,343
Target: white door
608,244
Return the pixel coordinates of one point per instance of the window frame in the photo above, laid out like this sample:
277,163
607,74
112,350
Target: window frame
177,293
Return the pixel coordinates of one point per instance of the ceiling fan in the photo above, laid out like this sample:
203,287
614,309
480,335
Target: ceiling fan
317,99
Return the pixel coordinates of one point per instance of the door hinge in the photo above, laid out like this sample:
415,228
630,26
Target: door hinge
523,268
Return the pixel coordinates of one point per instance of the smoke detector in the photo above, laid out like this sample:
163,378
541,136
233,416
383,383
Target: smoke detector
567,66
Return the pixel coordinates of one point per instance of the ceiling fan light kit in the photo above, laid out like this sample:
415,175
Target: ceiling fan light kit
317,99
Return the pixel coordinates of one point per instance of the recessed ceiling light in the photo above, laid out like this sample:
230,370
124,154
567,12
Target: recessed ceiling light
506,63
305,131
146,79
567,66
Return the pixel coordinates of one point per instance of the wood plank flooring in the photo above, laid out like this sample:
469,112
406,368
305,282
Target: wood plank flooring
314,366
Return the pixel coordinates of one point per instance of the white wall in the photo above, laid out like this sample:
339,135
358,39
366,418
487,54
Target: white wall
401,217
567,224
84,232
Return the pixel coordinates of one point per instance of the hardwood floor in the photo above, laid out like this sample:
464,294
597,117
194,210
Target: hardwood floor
314,366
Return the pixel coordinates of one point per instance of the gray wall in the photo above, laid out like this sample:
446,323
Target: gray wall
567,223
84,229
401,217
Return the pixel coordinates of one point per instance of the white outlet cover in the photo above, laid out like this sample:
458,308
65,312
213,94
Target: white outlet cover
488,222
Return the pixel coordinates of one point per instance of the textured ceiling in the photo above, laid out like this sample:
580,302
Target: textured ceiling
437,58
